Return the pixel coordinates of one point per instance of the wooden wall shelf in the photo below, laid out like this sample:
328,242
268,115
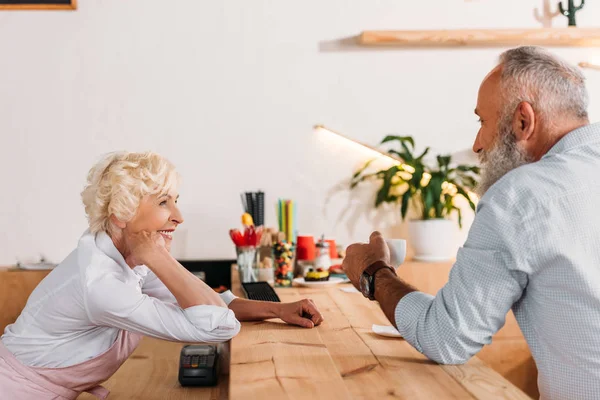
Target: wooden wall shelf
562,37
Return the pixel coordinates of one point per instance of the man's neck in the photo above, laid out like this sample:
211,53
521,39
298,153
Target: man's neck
555,134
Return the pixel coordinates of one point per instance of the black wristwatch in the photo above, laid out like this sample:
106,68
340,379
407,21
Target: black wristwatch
367,279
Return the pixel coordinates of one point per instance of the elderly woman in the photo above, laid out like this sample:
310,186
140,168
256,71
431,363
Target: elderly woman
120,283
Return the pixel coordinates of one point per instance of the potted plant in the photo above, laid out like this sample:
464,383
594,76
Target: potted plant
429,193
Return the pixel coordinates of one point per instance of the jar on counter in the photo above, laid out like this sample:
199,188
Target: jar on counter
323,258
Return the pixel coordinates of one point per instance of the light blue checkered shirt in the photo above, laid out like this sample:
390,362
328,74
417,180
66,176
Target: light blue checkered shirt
534,246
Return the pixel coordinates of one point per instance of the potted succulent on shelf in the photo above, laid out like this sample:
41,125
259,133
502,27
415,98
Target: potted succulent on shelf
429,193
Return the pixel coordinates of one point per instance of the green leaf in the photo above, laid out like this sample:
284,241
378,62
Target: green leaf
362,169
404,156
468,181
357,178
423,154
401,139
417,176
448,206
459,216
464,194
428,202
407,155
435,188
443,162
404,208
363,178
384,192
468,168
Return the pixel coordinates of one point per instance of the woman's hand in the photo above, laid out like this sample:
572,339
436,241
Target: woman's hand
303,313
143,246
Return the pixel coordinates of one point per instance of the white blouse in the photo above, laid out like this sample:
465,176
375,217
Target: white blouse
76,312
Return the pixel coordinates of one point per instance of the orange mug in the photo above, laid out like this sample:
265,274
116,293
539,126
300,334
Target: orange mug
332,248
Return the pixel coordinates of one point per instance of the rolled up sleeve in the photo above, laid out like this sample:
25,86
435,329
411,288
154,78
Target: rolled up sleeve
489,276
407,315
110,302
228,296
154,287
213,319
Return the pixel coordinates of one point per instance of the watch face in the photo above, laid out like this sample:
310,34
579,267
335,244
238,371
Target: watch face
364,285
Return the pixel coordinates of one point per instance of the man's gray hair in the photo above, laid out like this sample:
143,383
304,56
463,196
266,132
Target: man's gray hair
553,87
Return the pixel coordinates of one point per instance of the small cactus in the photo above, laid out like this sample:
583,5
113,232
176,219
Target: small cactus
546,16
570,12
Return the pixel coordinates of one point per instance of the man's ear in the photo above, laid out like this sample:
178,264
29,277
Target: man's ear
524,120
117,222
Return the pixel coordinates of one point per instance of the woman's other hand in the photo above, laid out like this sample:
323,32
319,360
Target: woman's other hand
303,313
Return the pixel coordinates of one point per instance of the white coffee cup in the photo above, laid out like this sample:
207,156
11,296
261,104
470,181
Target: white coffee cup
397,251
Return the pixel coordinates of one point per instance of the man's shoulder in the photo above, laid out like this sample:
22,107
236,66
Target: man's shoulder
523,187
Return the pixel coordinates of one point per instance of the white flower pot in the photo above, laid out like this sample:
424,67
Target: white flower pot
433,240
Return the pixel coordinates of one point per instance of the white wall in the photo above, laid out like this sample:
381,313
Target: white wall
230,91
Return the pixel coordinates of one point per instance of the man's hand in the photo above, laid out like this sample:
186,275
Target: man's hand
303,313
360,256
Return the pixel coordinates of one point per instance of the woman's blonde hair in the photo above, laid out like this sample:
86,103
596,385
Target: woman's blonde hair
117,184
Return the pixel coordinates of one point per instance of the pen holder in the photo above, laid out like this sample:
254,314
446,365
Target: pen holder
247,264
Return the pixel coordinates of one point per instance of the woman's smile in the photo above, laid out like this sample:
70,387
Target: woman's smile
167,233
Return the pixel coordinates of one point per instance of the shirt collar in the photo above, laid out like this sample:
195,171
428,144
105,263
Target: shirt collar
579,137
106,245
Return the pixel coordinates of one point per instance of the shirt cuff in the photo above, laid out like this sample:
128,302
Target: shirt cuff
227,297
408,313
211,318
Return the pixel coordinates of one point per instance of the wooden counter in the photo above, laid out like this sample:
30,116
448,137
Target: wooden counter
343,359
15,288
271,360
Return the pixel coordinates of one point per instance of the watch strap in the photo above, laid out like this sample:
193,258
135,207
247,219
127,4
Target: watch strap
376,266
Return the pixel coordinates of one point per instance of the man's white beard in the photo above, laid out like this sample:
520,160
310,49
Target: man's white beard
505,156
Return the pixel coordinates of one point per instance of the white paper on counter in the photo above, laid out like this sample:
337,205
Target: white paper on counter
386,330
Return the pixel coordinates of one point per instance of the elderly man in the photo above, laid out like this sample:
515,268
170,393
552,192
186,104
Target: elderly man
535,242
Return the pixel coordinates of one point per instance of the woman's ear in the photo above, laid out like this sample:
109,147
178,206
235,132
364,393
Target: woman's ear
117,222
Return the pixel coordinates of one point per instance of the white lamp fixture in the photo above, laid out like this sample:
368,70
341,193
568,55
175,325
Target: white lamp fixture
589,66
376,152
